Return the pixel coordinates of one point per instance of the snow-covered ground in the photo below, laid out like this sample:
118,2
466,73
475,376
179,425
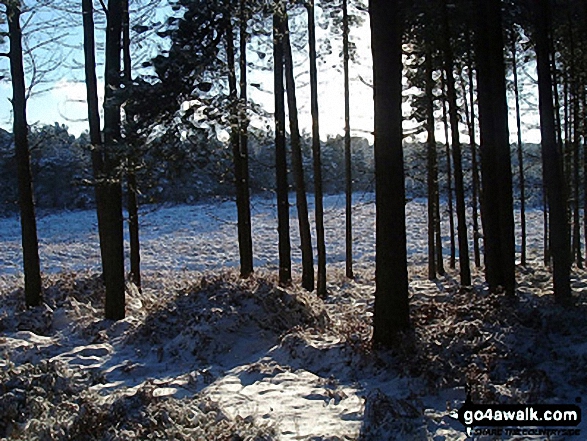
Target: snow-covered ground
204,236
205,355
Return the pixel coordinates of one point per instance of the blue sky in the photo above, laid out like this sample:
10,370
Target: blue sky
63,99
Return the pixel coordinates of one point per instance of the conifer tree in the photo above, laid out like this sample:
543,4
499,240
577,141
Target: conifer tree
391,312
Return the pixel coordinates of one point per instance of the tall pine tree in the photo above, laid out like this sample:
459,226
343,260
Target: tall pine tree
497,206
391,312
28,223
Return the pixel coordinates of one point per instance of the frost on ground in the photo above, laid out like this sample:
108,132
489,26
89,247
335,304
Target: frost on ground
205,355
49,400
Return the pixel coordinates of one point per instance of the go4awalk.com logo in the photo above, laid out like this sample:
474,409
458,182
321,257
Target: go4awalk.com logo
520,419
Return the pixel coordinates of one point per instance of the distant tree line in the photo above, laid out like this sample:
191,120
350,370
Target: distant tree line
193,171
61,170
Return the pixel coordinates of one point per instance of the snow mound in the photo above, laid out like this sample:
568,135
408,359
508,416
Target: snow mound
52,401
218,317
525,348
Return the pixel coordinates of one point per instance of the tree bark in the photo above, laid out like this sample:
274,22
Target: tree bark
318,198
94,117
28,223
391,310
133,228
451,221
584,148
574,110
93,107
298,169
470,119
239,140
558,127
576,185
464,264
497,207
520,157
242,159
551,159
432,170
545,223
111,236
131,178
280,149
347,146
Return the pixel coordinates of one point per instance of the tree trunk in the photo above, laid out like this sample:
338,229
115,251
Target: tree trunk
574,109
28,223
280,150
470,120
551,159
437,228
111,236
584,106
558,127
520,157
476,184
451,221
239,143
432,169
576,185
133,229
566,143
93,112
391,310
243,203
498,218
131,178
298,169
545,222
347,145
464,264
318,198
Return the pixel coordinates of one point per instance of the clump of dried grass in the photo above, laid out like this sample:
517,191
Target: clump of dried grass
386,417
226,303
487,341
492,342
50,401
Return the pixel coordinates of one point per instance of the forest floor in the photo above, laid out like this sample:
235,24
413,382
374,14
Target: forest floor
203,354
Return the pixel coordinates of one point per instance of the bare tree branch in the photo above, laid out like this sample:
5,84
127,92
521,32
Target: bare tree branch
104,7
365,82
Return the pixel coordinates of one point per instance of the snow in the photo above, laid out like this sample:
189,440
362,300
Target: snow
205,355
203,237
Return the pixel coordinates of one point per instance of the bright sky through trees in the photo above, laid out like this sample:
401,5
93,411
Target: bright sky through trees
63,98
